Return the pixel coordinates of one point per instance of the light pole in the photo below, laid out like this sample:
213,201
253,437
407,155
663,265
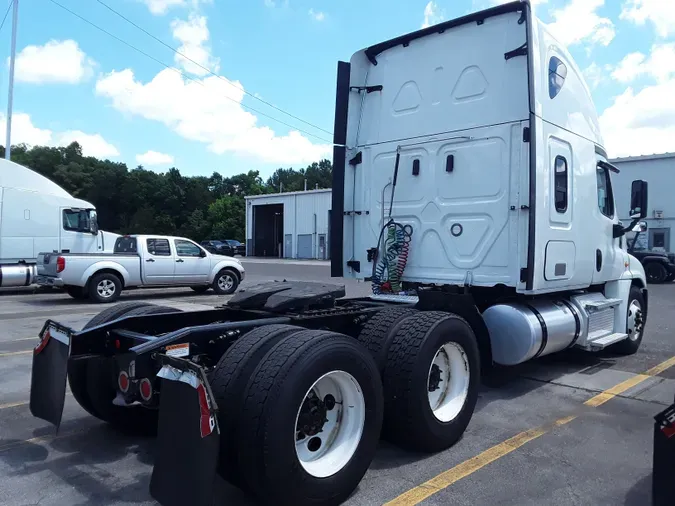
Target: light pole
10,99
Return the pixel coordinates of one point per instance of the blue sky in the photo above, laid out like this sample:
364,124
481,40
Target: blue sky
74,82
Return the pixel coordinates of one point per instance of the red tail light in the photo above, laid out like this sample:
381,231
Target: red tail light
60,264
145,389
123,382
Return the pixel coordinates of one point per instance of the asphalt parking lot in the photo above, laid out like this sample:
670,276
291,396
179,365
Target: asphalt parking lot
571,429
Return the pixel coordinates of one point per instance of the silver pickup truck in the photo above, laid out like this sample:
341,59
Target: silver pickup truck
139,261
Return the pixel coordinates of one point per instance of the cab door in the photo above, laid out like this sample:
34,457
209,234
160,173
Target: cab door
75,232
192,265
608,254
158,262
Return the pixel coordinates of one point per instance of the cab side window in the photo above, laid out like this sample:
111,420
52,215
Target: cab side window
560,181
159,247
605,195
187,249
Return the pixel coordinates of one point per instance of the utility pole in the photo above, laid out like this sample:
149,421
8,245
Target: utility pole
10,99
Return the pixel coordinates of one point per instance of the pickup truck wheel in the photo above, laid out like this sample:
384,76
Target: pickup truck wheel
77,292
102,389
431,381
77,369
311,419
379,331
226,282
655,273
105,287
228,383
636,318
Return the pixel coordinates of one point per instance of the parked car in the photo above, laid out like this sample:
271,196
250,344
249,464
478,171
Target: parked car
218,247
239,248
139,261
659,266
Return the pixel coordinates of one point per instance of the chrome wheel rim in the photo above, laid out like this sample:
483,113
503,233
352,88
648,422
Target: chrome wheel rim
635,320
225,282
106,288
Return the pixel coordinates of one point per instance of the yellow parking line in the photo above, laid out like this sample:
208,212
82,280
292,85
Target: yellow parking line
39,439
11,353
447,478
13,405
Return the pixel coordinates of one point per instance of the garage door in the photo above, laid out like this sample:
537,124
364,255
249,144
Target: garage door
305,246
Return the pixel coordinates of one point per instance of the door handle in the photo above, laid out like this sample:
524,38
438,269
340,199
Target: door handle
180,261
150,260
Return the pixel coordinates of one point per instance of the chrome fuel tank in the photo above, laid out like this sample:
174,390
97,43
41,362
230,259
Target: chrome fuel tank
523,331
17,275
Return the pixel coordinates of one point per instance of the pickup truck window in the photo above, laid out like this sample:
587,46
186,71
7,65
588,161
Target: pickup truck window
159,247
187,249
125,245
76,221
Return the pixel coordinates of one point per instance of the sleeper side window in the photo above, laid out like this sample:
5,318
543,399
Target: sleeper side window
605,195
560,181
557,73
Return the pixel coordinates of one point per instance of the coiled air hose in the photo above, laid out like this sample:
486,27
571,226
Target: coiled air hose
391,255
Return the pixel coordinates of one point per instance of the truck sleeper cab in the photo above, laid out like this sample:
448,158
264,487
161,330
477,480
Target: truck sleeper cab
473,191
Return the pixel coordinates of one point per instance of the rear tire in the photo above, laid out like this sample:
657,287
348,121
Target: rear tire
378,332
273,453
77,370
225,282
430,350
228,383
104,288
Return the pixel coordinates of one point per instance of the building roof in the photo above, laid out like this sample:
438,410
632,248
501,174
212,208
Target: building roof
284,194
656,156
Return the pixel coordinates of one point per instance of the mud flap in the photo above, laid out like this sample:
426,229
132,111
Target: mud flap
50,372
663,487
188,437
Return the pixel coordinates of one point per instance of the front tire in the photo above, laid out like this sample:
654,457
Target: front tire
104,288
656,273
311,420
225,282
636,318
431,381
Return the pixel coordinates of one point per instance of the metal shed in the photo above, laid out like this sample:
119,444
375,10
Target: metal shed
289,225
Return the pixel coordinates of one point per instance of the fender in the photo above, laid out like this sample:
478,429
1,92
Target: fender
222,264
105,265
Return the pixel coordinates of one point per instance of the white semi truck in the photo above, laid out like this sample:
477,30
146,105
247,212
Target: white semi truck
37,216
471,186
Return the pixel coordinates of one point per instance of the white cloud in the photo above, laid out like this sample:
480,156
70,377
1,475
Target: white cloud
642,122
161,7
317,15
55,62
579,22
25,132
596,74
193,34
204,113
92,144
660,64
659,12
154,158
432,15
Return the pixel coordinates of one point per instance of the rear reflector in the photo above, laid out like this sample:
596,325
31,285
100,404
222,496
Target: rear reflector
145,389
43,342
60,264
123,382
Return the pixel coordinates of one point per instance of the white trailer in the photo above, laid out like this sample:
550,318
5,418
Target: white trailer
37,215
472,188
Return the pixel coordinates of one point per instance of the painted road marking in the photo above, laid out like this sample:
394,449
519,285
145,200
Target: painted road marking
447,478
40,439
12,353
13,404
